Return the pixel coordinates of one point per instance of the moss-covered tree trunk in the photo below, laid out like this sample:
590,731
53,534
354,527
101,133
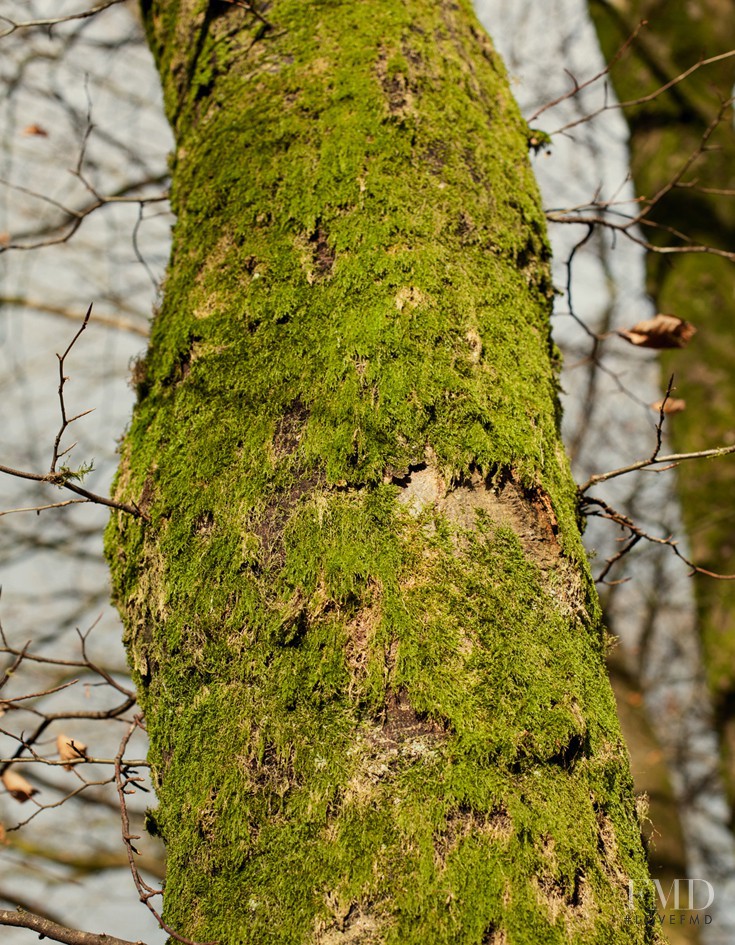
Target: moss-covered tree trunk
699,287
366,642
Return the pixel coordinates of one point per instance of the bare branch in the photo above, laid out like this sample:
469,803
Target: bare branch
579,86
603,510
42,508
598,213
74,762
661,420
124,778
54,21
58,933
65,421
668,462
109,321
643,99
73,219
62,478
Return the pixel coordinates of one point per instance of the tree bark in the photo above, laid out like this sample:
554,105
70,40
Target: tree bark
359,615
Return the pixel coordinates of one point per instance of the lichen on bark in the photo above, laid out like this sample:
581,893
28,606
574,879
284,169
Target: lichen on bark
372,719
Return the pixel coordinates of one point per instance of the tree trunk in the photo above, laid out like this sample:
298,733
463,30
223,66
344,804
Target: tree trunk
359,615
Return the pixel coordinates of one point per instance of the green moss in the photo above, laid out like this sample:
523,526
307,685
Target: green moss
364,716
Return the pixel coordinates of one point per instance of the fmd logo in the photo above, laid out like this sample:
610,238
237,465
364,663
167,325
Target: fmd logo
684,903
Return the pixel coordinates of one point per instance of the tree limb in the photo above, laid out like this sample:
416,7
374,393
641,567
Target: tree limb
59,933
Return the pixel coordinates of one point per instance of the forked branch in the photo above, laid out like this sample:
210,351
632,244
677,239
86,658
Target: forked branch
62,477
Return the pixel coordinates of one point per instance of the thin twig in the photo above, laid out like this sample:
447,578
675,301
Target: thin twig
62,477
603,510
55,21
42,508
669,461
72,762
60,480
124,778
643,99
579,86
661,420
251,8
65,421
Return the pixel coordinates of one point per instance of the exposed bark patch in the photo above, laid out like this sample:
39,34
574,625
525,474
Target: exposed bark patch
322,255
147,495
317,256
494,936
138,380
290,429
607,844
464,227
435,155
398,89
402,723
269,528
403,737
266,773
575,905
568,754
360,632
496,824
475,343
527,511
409,297
250,264
206,818
573,901
204,524
471,164
464,822
272,520
353,925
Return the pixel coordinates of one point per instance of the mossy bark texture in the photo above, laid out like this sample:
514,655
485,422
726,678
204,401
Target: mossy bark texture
665,133
358,612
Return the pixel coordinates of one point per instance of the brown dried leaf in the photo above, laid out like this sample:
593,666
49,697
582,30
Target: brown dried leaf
3,836
4,239
17,786
70,749
670,405
661,331
38,130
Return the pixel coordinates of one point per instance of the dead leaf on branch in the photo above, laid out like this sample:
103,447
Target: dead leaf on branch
17,786
70,750
670,405
661,331
37,130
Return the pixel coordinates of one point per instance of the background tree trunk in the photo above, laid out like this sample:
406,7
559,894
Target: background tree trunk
367,644
698,287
